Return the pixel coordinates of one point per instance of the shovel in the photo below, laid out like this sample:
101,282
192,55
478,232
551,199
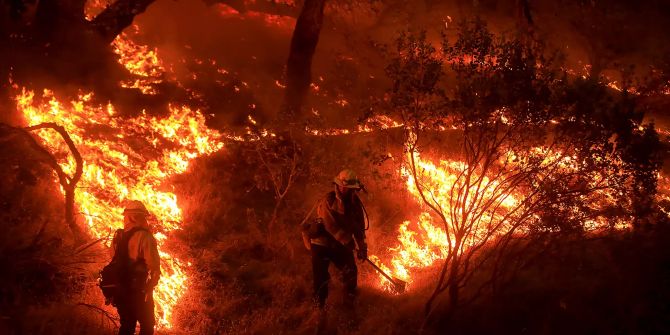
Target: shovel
398,285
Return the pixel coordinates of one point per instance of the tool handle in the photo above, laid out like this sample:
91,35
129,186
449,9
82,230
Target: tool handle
380,270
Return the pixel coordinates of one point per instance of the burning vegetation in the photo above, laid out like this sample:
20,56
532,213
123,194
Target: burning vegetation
506,173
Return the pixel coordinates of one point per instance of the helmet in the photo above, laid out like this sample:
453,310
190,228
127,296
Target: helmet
135,207
347,178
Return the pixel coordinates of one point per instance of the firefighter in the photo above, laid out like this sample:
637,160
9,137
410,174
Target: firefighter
332,237
136,303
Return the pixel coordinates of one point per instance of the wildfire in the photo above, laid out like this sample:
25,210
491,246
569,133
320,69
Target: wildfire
141,61
370,125
423,241
127,159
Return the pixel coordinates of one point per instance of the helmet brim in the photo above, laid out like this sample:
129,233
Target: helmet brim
339,182
135,211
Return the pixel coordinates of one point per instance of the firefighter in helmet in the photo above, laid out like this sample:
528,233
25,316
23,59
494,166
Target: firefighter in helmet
136,303
332,237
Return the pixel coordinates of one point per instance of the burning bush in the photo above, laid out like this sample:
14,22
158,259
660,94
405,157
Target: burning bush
536,152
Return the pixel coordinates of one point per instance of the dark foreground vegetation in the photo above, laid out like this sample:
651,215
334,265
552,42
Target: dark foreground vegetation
250,274
249,281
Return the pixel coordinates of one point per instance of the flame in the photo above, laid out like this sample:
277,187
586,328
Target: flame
139,60
127,159
424,241
94,7
378,122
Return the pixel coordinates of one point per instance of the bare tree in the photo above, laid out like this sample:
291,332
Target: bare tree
280,159
68,183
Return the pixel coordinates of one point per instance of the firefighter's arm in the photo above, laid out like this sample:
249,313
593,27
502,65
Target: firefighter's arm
362,246
152,258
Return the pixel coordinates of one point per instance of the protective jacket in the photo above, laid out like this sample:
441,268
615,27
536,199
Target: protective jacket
142,245
343,220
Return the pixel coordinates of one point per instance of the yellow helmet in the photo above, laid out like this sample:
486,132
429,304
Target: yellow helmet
347,178
135,206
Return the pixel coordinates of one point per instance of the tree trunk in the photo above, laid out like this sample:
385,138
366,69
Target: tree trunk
299,64
454,288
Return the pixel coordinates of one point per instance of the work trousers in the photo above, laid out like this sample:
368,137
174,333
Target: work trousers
132,309
343,258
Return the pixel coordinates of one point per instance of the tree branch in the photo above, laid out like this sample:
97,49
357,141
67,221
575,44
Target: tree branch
68,183
117,17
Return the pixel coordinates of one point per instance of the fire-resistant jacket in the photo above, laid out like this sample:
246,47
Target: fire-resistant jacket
343,220
142,245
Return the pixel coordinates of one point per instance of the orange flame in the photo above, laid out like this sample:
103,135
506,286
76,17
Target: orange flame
128,159
141,61
422,243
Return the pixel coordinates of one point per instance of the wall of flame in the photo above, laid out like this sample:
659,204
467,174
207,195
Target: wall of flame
127,159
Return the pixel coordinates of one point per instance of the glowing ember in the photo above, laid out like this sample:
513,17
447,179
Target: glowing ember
94,7
127,159
283,22
141,61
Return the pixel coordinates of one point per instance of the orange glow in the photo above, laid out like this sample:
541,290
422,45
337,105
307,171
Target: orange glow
424,241
283,22
141,61
127,159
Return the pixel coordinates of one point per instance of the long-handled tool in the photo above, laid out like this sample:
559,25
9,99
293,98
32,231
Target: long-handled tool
398,285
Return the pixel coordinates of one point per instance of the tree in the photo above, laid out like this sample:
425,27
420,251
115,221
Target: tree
299,64
280,160
538,152
44,42
55,20
68,183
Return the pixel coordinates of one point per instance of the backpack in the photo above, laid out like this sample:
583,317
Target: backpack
122,277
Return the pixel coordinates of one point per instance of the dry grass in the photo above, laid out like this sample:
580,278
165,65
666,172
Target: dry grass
247,281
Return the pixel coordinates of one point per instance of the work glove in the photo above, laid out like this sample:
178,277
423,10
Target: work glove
362,253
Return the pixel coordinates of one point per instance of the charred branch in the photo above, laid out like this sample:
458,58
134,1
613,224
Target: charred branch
117,17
